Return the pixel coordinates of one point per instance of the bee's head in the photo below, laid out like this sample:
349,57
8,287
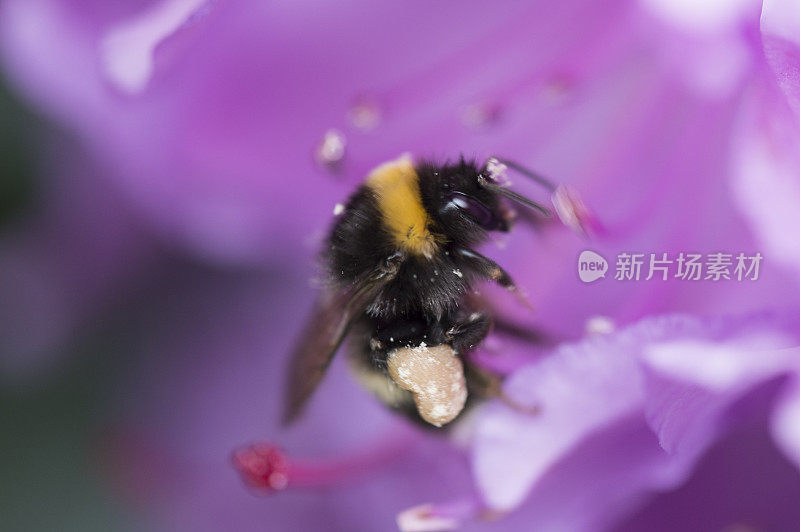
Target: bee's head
465,200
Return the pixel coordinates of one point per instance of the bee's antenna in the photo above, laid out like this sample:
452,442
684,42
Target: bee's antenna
546,183
567,202
510,194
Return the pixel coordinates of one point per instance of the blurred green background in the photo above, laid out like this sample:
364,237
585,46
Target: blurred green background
50,476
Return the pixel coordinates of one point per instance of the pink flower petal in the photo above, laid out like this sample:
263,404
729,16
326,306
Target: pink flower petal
677,374
765,166
786,422
128,47
780,27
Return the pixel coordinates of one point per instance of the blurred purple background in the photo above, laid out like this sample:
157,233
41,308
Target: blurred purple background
169,168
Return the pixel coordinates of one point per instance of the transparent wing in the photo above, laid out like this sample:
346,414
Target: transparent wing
326,328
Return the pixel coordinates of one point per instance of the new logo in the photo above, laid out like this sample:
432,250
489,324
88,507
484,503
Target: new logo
591,266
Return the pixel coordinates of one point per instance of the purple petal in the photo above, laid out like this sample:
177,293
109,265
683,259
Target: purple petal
128,48
513,450
766,173
742,483
680,375
780,28
786,422
692,382
709,16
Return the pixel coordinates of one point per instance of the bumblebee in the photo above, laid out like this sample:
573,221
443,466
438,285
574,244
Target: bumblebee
401,265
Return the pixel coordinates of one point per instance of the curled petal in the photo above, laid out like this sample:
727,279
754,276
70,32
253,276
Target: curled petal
692,384
766,174
579,388
128,48
720,367
780,28
786,422
703,15
674,376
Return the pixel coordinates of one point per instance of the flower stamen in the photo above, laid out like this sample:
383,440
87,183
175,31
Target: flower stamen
267,468
573,212
263,466
441,516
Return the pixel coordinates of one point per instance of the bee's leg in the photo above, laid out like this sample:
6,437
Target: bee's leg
369,350
488,385
486,267
505,326
368,364
482,382
489,269
465,335
524,333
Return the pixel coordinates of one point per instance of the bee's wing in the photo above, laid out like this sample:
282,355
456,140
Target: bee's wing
325,330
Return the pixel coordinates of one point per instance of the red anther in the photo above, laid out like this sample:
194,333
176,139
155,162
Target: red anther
263,466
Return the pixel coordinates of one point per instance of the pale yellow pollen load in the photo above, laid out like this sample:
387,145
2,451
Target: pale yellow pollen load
396,187
435,376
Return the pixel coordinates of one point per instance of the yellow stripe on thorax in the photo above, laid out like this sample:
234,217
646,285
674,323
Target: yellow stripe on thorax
396,187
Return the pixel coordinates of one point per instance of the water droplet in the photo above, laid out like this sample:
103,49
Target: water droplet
331,149
600,325
479,115
365,114
556,89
